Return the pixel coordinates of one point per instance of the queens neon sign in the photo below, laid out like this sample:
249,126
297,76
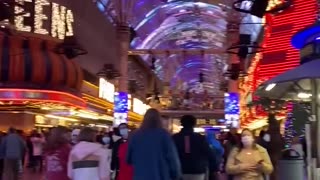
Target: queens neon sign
43,17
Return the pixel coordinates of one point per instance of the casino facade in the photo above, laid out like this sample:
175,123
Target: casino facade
42,86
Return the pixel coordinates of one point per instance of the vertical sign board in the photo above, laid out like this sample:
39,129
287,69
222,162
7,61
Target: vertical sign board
232,112
120,108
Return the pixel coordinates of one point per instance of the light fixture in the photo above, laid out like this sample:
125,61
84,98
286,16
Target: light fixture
270,86
303,95
109,72
70,48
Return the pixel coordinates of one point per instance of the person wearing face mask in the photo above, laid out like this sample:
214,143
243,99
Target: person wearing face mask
249,161
119,137
125,169
74,136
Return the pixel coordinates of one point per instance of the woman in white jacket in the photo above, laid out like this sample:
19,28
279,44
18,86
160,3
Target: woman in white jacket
88,160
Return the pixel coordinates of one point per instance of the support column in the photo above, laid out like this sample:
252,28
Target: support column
123,32
121,96
233,117
232,37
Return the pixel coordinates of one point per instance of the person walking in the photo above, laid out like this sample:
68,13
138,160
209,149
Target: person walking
88,160
152,152
119,137
218,152
37,144
125,170
13,147
57,153
194,151
249,161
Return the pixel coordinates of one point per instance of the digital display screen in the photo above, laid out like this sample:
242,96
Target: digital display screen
232,109
120,102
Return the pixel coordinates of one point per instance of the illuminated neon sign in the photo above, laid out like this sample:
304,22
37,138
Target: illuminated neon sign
106,90
41,95
43,17
139,107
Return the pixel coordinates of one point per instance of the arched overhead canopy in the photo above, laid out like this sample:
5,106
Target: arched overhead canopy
185,25
180,24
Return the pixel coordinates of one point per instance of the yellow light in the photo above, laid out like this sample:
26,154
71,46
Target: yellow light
58,26
90,84
273,4
60,118
39,17
19,20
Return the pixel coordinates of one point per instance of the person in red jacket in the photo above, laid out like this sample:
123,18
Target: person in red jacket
125,170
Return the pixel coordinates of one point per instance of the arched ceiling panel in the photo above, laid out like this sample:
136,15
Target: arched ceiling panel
186,25
181,24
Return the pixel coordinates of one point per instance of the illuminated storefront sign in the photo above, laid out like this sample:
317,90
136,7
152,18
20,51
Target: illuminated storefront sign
17,95
232,112
106,90
139,107
43,17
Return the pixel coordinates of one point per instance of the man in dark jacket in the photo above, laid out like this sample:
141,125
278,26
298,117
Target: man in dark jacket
194,151
12,149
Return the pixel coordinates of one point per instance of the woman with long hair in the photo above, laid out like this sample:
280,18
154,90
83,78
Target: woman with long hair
249,161
57,154
89,160
151,151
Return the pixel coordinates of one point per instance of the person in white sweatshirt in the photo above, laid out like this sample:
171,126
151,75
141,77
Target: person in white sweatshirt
88,160
37,145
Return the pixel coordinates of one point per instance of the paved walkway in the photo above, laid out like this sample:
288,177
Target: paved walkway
36,176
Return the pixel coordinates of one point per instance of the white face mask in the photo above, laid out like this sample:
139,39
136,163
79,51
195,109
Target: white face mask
247,141
106,140
124,132
267,138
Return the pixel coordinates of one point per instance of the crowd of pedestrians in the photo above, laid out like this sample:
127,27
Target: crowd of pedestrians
150,152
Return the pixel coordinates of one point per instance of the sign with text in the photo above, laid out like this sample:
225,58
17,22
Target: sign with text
43,17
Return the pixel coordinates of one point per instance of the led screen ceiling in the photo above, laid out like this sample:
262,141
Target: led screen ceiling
180,25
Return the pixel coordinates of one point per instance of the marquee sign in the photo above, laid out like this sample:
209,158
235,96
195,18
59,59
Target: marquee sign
16,95
43,17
